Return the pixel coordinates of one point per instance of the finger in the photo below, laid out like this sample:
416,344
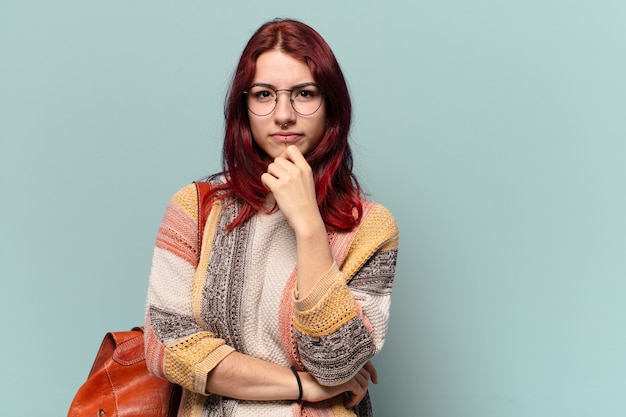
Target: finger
278,169
363,373
362,381
353,398
357,391
351,401
283,163
282,167
294,155
268,180
372,370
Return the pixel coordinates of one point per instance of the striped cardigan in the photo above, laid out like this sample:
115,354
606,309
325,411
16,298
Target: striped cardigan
235,292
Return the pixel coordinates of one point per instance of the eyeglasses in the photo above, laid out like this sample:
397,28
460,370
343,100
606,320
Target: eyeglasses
305,99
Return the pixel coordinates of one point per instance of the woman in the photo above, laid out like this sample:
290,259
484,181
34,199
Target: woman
279,309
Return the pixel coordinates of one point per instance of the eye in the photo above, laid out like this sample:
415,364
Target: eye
262,94
307,93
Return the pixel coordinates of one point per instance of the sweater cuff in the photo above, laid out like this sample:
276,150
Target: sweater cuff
322,286
202,369
327,308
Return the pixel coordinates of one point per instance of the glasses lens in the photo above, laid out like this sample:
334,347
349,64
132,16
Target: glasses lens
306,100
261,100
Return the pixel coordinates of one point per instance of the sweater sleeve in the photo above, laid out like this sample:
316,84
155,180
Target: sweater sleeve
177,346
342,323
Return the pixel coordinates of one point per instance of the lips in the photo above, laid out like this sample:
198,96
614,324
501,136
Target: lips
285,137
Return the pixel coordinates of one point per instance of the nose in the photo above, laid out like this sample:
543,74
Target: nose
284,112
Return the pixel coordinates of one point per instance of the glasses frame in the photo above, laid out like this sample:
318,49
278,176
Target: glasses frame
291,99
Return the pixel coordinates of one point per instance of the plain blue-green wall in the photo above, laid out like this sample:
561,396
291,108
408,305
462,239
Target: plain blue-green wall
494,130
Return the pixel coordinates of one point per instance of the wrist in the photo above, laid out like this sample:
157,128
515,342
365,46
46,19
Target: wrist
313,391
299,381
309,226
309,386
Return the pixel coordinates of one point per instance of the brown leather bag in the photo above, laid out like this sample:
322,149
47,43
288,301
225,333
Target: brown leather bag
119,383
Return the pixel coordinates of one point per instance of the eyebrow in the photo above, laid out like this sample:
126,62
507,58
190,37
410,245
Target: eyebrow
292,88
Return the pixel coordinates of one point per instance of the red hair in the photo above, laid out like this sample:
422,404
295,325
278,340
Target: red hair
243,161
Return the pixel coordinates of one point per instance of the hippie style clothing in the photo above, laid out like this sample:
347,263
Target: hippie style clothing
234,291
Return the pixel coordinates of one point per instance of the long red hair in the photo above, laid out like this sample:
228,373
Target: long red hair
243,161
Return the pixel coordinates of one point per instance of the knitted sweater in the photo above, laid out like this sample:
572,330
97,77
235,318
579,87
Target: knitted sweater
235,292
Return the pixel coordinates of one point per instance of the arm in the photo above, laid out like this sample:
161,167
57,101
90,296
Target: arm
290,179
340,313
343,322
177,347
247,378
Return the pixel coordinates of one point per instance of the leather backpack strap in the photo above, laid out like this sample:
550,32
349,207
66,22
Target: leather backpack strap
204,207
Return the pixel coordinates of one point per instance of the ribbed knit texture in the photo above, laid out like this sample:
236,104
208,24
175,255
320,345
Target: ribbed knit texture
237,294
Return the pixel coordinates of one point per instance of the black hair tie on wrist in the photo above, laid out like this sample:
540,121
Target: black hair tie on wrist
295,372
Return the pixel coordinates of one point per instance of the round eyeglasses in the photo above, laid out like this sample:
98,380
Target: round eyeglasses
305,99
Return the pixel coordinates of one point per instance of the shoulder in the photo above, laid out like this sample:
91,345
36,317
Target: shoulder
376,233
377,216
186,199
378,227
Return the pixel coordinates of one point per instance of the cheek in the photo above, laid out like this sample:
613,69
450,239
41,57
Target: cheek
256,128
320,126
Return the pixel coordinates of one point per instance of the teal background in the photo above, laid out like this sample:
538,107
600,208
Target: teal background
493,130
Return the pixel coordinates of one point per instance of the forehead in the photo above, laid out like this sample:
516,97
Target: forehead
280,70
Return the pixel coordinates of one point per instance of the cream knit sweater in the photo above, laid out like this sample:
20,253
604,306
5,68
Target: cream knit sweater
235,293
